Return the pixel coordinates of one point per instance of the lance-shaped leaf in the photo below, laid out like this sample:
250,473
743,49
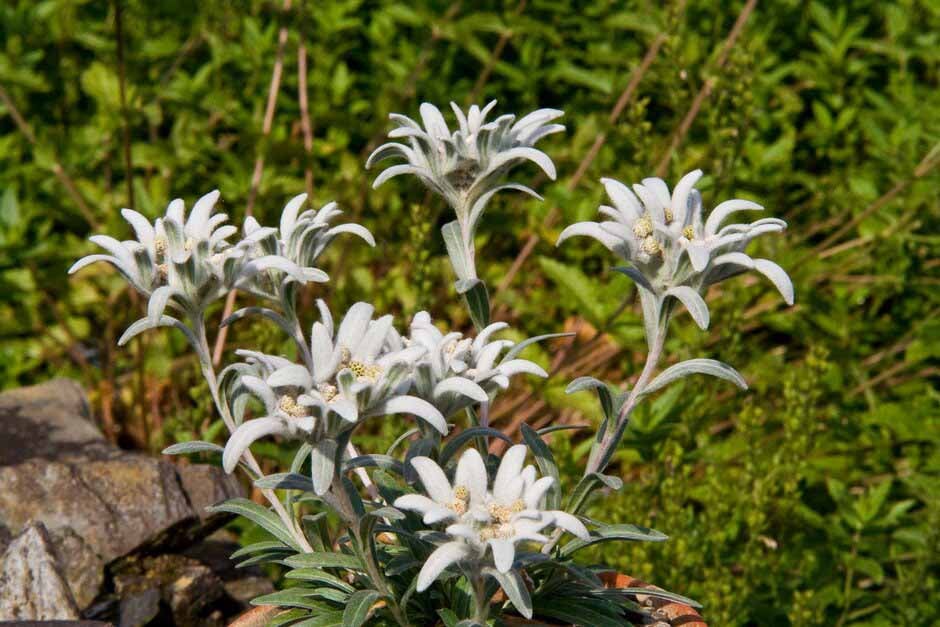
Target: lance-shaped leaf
514,587
322,465
359,607
195,446
711,367
614,532
546,464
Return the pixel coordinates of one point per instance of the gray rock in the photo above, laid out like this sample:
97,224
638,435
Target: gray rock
98,503
48,421
32,586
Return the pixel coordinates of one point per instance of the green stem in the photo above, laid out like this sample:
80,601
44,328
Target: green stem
208,372
363,547
482,609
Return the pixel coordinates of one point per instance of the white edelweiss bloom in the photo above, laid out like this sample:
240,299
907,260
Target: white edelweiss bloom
283,415
671,250
354,374
483,520
465,167
464,164
456,371
299,241
186,260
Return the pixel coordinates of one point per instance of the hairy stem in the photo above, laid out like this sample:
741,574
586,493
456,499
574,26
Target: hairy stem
482,609
208,372
363,546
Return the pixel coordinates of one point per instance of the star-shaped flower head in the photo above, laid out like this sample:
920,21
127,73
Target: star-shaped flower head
256,378
354,374
671,250
456,371
300,240
191,257
486,524
465,166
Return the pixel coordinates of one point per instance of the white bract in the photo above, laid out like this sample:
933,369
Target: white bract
672,251
355,373
186,259
300,240
485,523
456,371
466,165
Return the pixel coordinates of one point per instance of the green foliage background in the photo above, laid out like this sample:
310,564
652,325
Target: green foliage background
810,500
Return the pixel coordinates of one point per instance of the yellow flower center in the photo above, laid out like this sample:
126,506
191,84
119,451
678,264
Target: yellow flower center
369,372
668,213
289,405
688,232
459,504
643,227
327,391
651,246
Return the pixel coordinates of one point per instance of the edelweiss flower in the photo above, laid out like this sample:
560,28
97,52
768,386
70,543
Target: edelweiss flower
484,519
175,252
464,166
456,372
354,377
300,239
673,253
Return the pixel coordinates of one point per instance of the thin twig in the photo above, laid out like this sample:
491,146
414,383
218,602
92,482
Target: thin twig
57,168
928,163
258,171
497,52
706,89
305,124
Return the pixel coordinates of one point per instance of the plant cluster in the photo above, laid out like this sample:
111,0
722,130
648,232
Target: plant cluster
434,533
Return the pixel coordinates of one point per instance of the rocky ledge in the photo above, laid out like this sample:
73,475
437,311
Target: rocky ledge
88,530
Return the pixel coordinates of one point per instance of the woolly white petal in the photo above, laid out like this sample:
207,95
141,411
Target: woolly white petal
625,200
435,481
504,553
680,196
723,210
471,474
354,324
778,277
463,387
440,559
245,435
570,523
416,503
413,405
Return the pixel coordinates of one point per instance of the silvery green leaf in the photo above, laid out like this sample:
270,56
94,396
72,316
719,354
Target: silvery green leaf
693,302
285,481
145,324
638,277
158,300
661,594
652,305
521,346
418,448
515,590
385,462
460,258
478,303
195,446
359,607
604,393
276,262
478,207
260,515
553,428
270,314
711,367
587,485
322,465
615,532
456,442
546,464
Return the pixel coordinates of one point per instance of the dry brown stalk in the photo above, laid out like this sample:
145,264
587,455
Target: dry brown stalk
706,89
57,168
497,52
258,171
